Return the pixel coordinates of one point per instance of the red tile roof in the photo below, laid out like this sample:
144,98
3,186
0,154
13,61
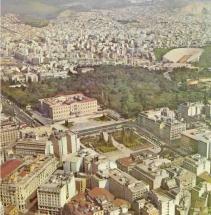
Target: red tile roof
121,202
100,192
126,161
8,167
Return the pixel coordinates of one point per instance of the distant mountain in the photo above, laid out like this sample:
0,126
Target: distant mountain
36,8
51,8
197,8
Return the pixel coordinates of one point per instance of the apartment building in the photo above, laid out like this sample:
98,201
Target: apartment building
1,209
31,146
200,139
62,107
189,109
10,132
64,143
53,194
197,164
184,178
163,202
21,178
144,207
80,184
150,172
162,123
125,186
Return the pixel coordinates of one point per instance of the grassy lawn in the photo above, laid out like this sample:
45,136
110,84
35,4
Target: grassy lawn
130,139
160,52
105,149
102,119
205,59
98,144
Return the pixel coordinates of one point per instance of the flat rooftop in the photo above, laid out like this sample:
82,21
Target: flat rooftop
195,159
67,99
126,179
162,195
18,171
8,167
57,180
161,115
203,135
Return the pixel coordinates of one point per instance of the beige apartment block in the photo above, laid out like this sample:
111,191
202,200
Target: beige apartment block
21,178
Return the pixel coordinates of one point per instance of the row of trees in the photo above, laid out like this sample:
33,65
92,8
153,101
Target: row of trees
125,89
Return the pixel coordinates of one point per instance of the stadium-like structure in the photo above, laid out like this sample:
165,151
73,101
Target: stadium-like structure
183,55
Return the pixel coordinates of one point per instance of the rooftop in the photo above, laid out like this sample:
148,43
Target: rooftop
17,171
195,159
162,195
205,177
152,166
161,115
203,135
8,167
67,99
126,161
99,193
57,180
126,179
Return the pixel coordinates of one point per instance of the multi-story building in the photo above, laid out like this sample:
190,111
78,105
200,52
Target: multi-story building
201,193
188,109
10,132
11,210
64,143
204,144
163,202
31,146
185,179
1,209
20,180
144,207
62,107
200,139
197,164
150,172
125,186
81,205
207,110
53,194
80,184
162,123
126,164
100,180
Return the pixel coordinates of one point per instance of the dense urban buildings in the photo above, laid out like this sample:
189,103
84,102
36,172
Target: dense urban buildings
105,107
